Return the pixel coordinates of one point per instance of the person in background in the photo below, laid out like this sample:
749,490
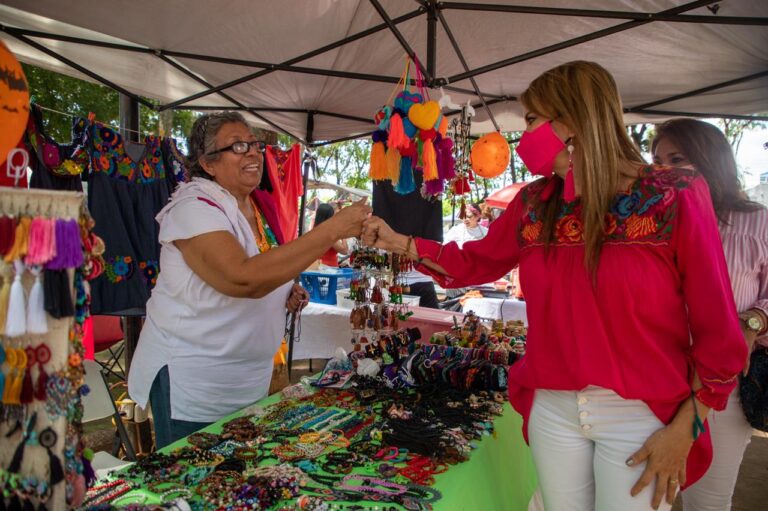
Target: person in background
468,230
486,215
743,225
330,257
625,285
217,314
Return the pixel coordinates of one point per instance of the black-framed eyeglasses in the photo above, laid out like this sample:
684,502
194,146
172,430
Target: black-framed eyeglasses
241,147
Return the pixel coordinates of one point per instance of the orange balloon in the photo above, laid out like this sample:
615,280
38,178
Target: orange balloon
490,155
14,102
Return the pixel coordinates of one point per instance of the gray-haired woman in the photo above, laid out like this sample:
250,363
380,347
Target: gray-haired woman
216,315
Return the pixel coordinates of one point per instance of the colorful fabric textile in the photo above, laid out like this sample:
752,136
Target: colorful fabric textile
284,169
660,299
124,195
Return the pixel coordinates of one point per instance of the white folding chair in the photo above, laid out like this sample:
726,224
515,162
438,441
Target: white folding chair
98,404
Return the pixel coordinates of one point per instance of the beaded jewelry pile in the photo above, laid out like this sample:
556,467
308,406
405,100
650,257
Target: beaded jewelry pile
369,447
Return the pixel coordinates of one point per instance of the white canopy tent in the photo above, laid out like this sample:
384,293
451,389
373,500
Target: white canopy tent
319,69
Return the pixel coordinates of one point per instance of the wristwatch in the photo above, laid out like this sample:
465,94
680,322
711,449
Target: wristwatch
753,322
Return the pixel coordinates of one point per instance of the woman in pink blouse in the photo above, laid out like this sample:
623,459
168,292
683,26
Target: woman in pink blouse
744,232
622,266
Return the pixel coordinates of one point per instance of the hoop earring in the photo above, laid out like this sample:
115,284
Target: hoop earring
569,193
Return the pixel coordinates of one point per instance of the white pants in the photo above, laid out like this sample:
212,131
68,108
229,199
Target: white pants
580,442
730,435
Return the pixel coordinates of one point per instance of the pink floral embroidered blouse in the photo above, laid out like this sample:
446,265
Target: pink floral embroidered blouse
662,298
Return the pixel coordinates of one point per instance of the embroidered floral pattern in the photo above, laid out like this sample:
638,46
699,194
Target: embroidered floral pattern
61,159
646,213
111,158
119,268
149,271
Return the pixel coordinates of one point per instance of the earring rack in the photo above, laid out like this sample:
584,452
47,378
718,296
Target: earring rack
44,423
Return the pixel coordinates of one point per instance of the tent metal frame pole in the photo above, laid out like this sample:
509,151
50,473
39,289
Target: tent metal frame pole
278,110
598,13
703,115
302,208
572,42
464,64
702,90
74,65
305,56
400,39
226,96
432,14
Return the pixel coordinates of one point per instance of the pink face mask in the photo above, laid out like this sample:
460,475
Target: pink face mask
538,149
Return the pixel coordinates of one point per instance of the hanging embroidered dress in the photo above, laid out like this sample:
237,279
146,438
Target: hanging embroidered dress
125,192
284,169
56,166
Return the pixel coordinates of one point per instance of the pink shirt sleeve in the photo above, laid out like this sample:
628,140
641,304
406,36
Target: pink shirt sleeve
718,348
480,261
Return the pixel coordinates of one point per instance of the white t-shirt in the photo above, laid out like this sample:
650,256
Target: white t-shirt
219,350
461,234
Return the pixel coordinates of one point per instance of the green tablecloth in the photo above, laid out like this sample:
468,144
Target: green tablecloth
499,475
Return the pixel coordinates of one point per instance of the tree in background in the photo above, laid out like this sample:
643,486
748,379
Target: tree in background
79,97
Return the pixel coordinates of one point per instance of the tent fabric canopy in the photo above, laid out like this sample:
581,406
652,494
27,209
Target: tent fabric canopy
319,69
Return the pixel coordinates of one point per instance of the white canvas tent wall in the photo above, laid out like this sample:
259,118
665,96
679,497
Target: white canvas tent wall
319,69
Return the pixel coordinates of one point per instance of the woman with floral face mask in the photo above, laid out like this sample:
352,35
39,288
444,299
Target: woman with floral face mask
623,272
743,224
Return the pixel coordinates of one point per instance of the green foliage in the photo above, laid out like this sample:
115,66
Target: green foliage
78,97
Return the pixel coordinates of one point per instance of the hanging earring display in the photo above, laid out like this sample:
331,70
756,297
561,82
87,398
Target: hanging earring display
41,371
569,193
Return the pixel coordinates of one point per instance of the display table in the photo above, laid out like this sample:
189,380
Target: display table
326,327
499,475
496,308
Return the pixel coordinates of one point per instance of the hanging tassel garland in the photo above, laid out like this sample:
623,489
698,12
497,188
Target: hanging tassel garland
429,161
378,170
447,166
20,240
6,273
43,356
69,252
35,244
7,234
16,319
405,184
27,390
37,323
393,164
57,295
397,137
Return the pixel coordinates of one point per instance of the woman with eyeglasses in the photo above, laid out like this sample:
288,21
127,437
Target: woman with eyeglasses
216,316
626,288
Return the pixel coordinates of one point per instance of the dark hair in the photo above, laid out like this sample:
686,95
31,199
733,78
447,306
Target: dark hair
202,141
705,146
324,212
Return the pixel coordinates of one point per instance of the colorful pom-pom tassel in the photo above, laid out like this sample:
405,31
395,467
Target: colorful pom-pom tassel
16,320
447,164
7,234
405,184
434,187
6,272
20,240
378,170
393,164
37,323
397,137
69,251
429,161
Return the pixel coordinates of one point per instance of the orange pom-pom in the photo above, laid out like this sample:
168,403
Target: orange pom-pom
429,161
443,128
378,170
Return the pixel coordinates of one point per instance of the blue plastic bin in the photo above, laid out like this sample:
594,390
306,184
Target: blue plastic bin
322,285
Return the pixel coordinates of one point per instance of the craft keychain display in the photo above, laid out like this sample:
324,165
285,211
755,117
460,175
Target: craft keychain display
377,289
